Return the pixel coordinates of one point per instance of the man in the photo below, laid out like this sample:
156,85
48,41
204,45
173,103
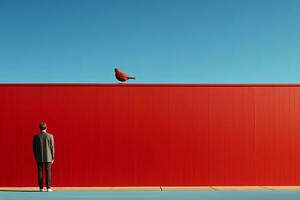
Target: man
43,149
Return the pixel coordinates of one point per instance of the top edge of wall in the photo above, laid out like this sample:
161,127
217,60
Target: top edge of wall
154,84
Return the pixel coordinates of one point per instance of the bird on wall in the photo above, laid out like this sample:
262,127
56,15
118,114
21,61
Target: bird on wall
120,76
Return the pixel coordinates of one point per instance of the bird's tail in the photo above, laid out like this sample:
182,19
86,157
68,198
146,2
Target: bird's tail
131,77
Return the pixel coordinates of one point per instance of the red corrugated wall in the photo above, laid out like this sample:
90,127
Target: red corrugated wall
153,135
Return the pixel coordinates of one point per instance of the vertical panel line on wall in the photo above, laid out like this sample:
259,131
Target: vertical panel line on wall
209,104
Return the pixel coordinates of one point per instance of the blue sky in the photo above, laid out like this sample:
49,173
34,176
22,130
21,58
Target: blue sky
158,41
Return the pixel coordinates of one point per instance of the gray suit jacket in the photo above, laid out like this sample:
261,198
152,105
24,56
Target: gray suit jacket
43,147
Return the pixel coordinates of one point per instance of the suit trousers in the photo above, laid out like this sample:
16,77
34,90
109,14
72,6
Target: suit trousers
40,166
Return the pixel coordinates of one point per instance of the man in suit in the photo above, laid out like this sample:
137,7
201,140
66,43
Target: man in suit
43,149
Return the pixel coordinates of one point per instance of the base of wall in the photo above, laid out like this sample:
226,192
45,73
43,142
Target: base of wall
162,188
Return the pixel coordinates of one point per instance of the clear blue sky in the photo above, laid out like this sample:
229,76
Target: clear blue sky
158,41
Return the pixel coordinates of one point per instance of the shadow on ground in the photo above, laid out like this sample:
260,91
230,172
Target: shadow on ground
18,190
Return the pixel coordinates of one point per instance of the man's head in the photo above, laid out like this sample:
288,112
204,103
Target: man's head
43,126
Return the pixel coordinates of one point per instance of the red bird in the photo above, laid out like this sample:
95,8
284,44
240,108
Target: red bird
122,76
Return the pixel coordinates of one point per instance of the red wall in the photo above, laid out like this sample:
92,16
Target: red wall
153,135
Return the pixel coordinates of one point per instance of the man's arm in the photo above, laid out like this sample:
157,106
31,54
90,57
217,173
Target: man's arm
52,147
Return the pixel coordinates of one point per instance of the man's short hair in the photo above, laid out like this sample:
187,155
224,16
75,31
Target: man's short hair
43,126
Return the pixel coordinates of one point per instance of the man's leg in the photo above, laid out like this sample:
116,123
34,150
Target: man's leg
40,174
48,174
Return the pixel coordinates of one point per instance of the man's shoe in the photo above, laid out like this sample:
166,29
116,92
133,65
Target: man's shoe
49,190
41,190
